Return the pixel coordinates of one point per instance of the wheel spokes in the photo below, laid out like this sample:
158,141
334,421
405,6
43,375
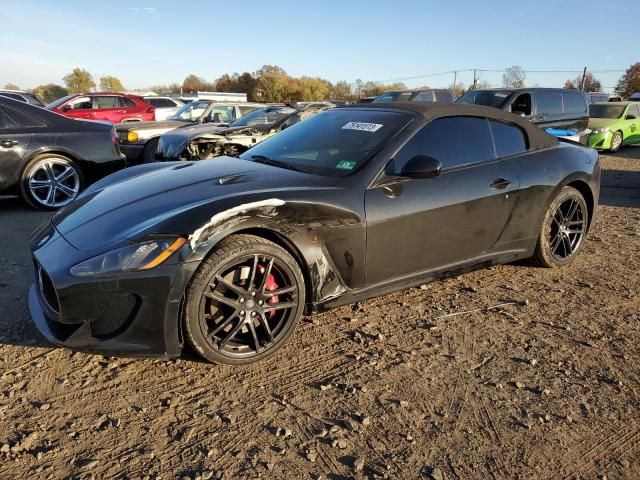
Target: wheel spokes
232,334
230,285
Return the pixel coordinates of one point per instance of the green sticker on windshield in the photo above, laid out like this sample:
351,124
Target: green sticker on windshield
346,164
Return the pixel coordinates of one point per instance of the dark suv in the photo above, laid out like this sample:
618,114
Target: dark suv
560,112
430,95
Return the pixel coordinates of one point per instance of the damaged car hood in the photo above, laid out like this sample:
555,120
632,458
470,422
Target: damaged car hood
151,199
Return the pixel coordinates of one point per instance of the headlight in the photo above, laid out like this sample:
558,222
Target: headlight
140,256
600,130
132,136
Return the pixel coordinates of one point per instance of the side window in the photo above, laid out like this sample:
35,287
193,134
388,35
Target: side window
548,102
106,102
424,97
18,118
222,114
5,121
508,138
574,103
127,102
453,140
522,104
80,103
14,96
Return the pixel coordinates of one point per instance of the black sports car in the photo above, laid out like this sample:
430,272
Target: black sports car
48,158
206,141
352,203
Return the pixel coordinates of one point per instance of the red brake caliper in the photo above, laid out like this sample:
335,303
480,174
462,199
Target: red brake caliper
270,284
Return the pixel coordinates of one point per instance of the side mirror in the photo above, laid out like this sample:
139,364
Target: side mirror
630,117
422,166
66,108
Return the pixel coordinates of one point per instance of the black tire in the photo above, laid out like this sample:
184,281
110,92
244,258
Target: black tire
149,149
616,141
563,230
209,324
39,170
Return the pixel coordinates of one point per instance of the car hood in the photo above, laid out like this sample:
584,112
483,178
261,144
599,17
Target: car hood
601,122
172,198
166,124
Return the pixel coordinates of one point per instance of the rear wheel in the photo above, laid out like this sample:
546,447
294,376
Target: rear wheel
563,229
244,301
50,181
616,141
149,150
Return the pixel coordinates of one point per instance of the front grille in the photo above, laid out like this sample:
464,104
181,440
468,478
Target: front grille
47,290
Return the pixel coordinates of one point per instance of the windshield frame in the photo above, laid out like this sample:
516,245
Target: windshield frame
175,116
255,113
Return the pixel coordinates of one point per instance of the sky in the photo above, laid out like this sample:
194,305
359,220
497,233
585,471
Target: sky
148,42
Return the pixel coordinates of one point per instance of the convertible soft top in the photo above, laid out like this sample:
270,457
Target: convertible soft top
432,111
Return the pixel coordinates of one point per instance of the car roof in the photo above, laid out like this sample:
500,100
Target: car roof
614,103
432,111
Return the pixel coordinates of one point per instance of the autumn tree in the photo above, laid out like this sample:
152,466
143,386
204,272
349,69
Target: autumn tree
79,81
274,84
311,89
514,77
629,83
50,92
11,86
591,83
192,84
569,85
457,90
111,84
341,90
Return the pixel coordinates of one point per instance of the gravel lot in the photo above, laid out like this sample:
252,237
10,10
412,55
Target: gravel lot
545,386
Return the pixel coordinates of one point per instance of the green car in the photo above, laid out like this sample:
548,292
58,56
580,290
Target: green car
614,124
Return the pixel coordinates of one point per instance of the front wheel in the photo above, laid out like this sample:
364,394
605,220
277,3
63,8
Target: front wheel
149,150
244,301
50,181
616,142
563,229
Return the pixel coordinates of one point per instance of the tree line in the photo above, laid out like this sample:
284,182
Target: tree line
272,83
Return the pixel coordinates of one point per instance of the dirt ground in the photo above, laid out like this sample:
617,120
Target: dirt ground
545,386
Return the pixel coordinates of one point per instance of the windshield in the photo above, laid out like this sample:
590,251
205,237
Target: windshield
489,98
191,112
264,117
60,101
606,110
393,97
332,143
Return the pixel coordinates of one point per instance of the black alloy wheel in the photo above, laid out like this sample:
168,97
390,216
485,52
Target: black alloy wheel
563,230
244,301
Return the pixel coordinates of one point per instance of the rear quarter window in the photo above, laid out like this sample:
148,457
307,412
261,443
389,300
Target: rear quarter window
23,119
509,139
127,102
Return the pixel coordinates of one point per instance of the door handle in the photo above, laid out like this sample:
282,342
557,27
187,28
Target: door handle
500,183
8,143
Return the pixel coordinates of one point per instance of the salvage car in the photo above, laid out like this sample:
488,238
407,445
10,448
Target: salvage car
352,203
203,142
110,107
440,95
47,159
614,125
560,112
139,141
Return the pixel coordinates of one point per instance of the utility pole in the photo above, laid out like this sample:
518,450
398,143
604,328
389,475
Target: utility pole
475,79
584,78
455,78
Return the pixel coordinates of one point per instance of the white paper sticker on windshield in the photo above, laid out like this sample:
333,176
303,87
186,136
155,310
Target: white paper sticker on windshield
362,126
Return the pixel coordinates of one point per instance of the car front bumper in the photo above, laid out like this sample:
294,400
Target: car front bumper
600,141
132,314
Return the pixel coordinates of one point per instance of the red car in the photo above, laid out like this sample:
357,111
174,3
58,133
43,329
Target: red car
114,107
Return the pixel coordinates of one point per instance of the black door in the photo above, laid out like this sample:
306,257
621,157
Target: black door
14,142
422,224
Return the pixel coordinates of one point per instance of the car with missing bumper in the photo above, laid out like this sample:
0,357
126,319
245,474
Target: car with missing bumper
48,159
203,142
139,141
352,203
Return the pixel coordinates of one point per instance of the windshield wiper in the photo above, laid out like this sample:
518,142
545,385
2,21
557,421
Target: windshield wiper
276,163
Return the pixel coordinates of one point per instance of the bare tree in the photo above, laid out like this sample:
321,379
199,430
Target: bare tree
514,77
